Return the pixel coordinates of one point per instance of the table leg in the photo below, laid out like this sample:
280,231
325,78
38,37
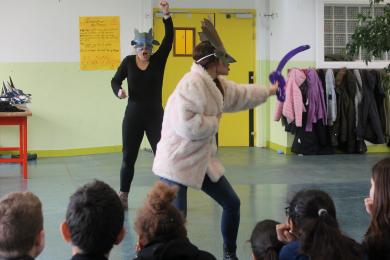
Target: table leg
25,174
21,144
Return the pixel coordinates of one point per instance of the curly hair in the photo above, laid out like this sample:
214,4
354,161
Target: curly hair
158,218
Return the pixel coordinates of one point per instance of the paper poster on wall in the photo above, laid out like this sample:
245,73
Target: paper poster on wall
99,42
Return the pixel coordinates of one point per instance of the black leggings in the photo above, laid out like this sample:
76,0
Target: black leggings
138,119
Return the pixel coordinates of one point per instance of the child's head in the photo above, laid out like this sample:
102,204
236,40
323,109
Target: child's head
377,238
380,207
158,218
380,186
21,225
310,206
264,242
312,215
94,219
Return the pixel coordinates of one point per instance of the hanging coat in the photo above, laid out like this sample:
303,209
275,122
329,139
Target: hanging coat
369,127
343,131
293,107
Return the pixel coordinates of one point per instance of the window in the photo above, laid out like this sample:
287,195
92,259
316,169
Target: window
337,22
184,41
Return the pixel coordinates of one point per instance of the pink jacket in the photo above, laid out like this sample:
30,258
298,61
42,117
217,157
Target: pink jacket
187,149
292,108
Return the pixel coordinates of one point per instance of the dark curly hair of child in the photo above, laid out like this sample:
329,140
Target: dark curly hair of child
159,219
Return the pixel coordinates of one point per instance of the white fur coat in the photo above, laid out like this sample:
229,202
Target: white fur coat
186,151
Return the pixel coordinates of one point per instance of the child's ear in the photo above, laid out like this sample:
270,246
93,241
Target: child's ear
120,236
65,232
39,244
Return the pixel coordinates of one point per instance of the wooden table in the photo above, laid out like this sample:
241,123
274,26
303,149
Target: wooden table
18,119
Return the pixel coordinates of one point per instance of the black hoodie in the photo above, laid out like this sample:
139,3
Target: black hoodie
176,249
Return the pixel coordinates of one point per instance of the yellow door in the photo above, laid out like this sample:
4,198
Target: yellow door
177,66
237,33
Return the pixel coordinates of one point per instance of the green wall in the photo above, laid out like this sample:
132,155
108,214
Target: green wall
73,110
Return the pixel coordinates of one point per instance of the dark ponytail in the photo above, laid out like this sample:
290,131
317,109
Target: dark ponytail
314,215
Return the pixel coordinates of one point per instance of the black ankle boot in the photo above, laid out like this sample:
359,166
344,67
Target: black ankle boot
229,253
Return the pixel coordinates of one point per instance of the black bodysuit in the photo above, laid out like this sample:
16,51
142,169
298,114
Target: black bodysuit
144,112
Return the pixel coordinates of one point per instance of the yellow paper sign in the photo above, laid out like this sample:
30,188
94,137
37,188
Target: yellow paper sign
99,42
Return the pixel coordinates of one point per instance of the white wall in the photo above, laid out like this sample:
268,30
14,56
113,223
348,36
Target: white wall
294,24
228,4
263,29
262,69
48,30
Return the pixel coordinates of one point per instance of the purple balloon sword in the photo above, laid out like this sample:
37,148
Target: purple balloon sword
277,74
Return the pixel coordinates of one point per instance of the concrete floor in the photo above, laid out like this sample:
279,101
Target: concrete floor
263,180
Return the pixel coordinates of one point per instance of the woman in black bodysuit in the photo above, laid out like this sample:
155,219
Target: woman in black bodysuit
144,113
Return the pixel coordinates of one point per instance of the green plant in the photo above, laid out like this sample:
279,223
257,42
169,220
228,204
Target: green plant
372,34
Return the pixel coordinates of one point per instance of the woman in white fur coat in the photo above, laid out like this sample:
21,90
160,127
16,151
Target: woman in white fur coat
186,153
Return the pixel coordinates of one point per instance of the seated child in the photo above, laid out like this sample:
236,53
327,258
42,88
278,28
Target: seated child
161,229
94,221
377,238
21,226
264,242
313,232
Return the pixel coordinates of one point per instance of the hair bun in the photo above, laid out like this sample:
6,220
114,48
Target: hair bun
161,196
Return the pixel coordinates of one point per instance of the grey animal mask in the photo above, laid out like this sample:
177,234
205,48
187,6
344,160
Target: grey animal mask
144,38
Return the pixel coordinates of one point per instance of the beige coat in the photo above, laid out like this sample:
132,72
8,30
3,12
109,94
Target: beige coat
187,150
